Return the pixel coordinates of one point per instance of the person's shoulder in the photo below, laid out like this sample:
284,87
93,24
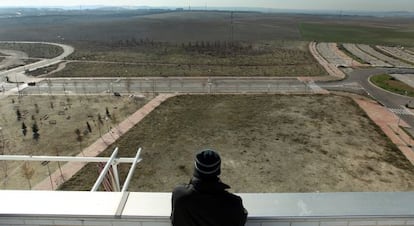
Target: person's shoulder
182,188
233,197
182,191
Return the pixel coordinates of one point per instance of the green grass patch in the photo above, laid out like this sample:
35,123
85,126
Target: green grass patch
356,34
391,84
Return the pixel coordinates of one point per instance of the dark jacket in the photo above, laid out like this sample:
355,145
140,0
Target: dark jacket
206,203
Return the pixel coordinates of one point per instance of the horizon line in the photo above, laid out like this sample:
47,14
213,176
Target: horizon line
186,8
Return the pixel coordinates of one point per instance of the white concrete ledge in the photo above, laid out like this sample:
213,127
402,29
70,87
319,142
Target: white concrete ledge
151,209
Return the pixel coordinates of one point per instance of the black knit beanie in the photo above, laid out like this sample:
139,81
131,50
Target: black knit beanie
207,164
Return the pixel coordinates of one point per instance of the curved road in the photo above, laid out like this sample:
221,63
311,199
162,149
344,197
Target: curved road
11,74
392,101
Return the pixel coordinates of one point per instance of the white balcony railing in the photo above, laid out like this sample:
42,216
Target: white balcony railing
153,209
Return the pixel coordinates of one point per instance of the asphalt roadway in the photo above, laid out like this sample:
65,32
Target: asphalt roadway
124,86
394,102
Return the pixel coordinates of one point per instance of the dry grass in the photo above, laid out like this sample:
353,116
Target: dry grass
133,70
268,143
136,58
42,71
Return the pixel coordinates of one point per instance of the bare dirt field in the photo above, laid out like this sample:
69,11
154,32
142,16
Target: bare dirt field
202,58
268,143
57,119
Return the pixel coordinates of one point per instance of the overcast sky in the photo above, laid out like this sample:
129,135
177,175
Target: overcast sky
377,5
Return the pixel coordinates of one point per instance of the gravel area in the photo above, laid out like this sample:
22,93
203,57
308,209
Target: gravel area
397,63
398,53
352,48
325,49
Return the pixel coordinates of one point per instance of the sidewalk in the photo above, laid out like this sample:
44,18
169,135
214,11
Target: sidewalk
331,69
389,123
71,168
313,86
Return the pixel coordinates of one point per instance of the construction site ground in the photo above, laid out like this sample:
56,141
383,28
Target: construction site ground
268,143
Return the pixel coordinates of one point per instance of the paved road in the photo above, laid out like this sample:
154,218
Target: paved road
360,77
170,85
18,72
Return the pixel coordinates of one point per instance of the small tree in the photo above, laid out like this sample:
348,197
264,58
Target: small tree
88,126
60,168
35,130
24,129
115,122
100,119
27,172
79,138
99,129
107,112
19,115
77,132
36,108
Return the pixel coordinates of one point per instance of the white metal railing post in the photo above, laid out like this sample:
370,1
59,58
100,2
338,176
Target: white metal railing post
113,161
105,170
131,170
62,158
117,185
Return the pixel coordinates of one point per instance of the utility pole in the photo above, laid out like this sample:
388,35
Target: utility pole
232,27
17,84
2,141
